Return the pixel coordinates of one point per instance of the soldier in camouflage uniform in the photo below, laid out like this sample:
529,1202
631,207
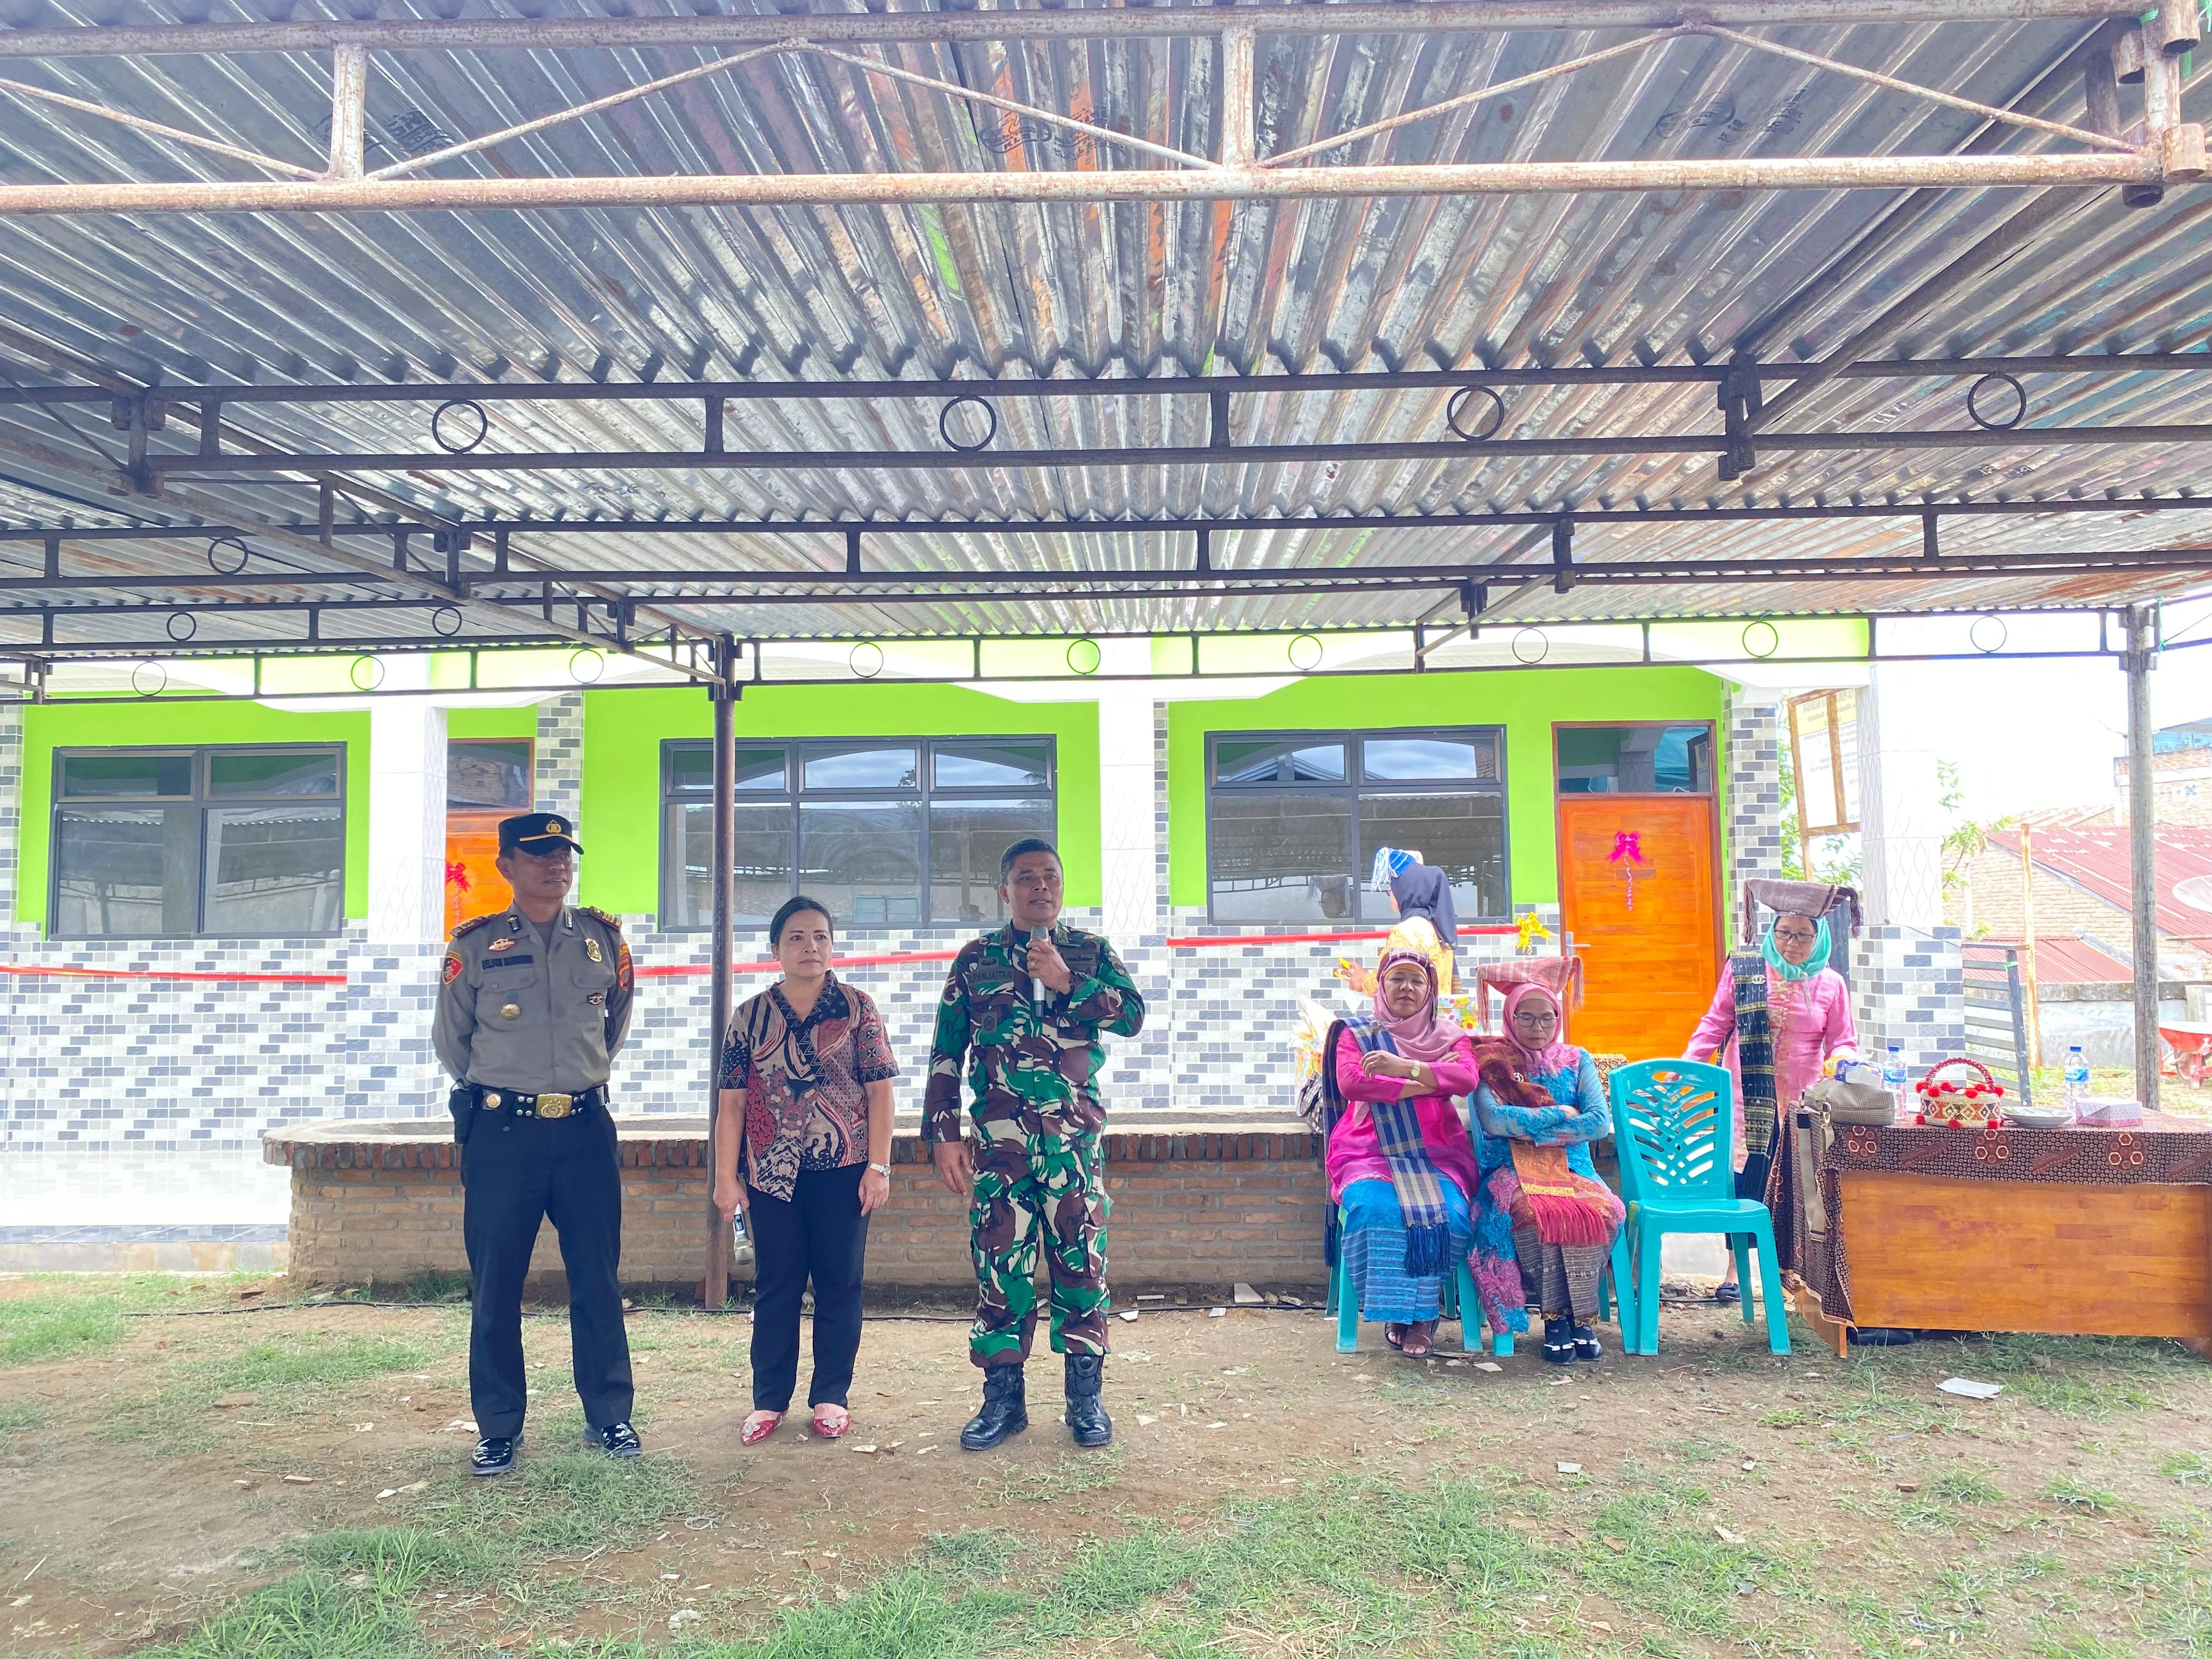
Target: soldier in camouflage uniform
1024,1007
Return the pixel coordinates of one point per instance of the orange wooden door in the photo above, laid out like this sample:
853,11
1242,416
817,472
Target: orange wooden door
474,886
1650,957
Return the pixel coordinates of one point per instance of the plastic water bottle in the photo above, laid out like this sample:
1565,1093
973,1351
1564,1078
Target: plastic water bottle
2077,1080
1893,1078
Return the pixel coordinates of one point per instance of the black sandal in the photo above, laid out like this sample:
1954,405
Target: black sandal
1420,1339
1586,1343
1558,1342
1396,1336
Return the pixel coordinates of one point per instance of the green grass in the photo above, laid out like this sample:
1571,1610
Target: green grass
1080,1473
2188,1467
36,1327
13,1419
1965,1486
289,1364
2065,1489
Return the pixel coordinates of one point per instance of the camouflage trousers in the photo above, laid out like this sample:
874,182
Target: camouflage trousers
1035,1187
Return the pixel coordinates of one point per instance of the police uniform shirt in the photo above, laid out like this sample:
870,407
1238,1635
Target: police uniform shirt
515,1012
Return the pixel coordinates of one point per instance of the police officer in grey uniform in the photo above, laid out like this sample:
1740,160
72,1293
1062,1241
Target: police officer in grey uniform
532,1006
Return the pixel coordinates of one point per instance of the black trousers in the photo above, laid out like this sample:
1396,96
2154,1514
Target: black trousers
821,1234
516,1172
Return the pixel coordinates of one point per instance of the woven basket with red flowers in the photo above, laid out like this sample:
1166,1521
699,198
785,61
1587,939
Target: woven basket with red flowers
1956,1104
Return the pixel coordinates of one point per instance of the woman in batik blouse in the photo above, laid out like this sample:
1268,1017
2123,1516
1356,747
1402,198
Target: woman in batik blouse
803,1145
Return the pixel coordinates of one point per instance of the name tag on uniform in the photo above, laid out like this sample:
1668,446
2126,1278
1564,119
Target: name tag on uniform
509,962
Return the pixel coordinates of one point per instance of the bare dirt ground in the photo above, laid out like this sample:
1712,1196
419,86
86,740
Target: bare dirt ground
154,1473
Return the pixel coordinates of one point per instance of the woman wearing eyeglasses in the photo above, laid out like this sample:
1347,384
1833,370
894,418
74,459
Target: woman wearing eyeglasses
1779,1015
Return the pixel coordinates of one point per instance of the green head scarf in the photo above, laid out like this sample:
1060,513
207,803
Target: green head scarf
1796,970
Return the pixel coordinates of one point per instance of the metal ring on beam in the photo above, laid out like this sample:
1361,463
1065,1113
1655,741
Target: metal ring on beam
446,620
944,425
1975,635
1771,639
1305,652
367,673
149,679
865,660
1486,429
219,558
1083,657
181,626
437,425
585,665
1531,645
1974,403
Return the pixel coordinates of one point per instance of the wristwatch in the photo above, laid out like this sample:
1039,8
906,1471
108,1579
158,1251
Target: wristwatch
883,1170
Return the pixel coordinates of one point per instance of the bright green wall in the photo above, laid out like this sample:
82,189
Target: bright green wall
492,722
623,732
1525,704
49,726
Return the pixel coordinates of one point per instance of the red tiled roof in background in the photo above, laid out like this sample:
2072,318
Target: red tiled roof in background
2062,960
2096,861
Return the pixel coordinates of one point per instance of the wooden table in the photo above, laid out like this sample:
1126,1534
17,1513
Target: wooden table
2013,1230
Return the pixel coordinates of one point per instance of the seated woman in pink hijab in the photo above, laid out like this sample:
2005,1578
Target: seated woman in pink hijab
1779,1014
1399,1159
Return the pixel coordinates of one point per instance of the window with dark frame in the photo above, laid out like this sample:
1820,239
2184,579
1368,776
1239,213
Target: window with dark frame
1634,758
197,843
1294,820
889,832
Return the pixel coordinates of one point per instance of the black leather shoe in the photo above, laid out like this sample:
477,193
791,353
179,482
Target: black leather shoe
494,1455
1587,1346
1006,1409
616,1440
1086,1412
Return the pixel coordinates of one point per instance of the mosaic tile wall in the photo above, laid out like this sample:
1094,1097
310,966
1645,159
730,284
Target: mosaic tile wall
1909,992
1755,826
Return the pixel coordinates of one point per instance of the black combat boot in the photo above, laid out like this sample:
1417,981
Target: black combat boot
1086,1412
1006,1409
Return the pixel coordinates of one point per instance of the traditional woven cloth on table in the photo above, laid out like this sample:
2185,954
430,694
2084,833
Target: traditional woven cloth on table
2164,1151
1754,1038
1562,1207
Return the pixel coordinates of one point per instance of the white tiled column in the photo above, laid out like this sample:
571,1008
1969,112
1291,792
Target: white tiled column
559,785
1755,826
1901,821
406,819
1127,824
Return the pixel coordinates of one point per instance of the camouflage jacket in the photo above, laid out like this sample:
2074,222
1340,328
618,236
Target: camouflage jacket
1024,1060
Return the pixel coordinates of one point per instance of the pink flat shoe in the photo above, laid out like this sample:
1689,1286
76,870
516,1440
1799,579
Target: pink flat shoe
831,1422
758,1427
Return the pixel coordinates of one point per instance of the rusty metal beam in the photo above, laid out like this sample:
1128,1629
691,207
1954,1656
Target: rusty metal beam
1081,186
1077,22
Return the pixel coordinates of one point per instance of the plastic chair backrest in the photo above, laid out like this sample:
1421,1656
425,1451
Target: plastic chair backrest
1674,1129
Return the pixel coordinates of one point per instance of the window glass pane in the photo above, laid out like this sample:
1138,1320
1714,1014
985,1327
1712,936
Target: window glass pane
95,775
691,770
1280,857
124,870
488,775
965,840
1607,760
861,766
275,870
863,858
1463,834
1275,760
994,766
237,772
1386,760
761,863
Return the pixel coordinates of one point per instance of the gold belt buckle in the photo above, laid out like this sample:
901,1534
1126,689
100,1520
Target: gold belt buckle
555,1105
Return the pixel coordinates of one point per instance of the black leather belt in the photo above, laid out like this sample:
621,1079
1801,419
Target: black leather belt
545,1106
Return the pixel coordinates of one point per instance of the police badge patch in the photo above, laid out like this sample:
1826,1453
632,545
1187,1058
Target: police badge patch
623,966
592,949
452,970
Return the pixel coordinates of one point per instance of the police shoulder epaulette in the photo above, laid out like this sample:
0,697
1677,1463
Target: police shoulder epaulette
473,924
597,914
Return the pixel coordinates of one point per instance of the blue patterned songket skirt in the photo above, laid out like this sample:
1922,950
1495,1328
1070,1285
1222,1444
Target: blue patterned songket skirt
1374,1252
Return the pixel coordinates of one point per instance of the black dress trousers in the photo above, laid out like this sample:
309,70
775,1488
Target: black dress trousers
821,1234
515,1173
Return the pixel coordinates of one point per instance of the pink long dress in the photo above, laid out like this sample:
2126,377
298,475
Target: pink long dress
1811,1019
1355,1153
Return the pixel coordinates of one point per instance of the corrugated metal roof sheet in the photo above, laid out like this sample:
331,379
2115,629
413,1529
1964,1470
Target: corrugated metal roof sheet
2096,861
2059,961
800,293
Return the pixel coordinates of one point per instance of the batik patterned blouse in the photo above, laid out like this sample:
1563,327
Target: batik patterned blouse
805,1082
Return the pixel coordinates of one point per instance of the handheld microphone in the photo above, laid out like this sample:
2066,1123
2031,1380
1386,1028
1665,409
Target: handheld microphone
1036,985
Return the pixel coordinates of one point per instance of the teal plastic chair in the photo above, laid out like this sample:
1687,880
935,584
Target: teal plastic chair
1674,1126
1459,1299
